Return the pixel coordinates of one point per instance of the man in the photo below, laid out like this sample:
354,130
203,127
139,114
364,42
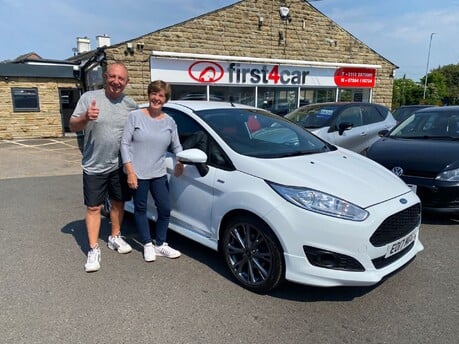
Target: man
102,114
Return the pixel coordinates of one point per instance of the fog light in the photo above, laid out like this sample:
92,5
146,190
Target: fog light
331,260
327,260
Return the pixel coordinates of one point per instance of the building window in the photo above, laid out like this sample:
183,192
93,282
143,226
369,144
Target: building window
354,95
279,100
324,95
235,94
189,92
25,99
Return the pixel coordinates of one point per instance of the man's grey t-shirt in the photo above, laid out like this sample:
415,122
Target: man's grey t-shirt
102,137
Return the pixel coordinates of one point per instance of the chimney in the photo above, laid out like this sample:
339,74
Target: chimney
103,41
83,45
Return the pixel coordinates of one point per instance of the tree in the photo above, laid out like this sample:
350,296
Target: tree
450,74
436,90
406,92
442,88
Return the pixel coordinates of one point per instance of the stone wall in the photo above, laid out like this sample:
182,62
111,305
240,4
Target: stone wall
231,31
234,31
45,123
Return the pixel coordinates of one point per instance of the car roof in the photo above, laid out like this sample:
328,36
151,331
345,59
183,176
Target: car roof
334,104
339,103
197,105
206,105
415,106
453,108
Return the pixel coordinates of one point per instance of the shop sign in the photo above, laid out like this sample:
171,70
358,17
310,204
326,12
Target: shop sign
355,77
237,73
255,74
265,75
206,71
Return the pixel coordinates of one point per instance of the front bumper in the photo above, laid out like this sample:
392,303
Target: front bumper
348,239
439,199
435,195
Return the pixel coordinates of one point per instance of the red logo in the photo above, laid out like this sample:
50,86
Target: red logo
206,71
355,77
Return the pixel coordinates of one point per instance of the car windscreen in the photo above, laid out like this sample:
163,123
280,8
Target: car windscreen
401,113
404,112
261,134
429,125
312,116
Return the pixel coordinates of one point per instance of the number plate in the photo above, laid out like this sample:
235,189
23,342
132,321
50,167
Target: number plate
399,245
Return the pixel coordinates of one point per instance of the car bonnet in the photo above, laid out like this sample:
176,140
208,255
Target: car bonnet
427,155
340,173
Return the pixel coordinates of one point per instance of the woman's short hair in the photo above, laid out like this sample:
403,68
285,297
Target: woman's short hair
159,85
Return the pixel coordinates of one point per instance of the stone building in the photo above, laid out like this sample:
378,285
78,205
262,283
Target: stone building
265,53
37,99
252,34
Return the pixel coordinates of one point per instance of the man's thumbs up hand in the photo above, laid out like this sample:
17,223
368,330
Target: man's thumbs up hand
93,111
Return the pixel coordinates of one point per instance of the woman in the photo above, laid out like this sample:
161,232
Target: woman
148,133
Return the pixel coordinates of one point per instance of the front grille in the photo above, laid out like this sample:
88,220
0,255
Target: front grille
382,262
397,226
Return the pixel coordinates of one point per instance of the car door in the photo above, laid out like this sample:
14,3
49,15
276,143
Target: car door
191,194
191,202
373,121
353,137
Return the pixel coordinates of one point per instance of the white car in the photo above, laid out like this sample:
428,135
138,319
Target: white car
351,125
280,203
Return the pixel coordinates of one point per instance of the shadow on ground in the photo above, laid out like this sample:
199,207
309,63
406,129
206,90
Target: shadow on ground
212,259
78,230
439,219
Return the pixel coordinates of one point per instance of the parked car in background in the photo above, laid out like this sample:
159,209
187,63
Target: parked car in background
354,126
280,203
424,151
403,112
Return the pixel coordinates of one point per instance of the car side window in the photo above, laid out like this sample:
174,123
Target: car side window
350,115
371,115
185,125
217,157
193,135
453,126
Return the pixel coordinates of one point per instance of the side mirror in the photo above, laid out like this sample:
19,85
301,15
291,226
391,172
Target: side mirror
344,126
194,156
383,133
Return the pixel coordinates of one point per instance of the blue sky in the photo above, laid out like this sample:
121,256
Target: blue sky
399,30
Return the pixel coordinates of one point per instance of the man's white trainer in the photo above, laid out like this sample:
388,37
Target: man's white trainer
93,262
117,243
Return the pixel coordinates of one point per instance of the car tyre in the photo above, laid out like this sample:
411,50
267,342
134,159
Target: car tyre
253,254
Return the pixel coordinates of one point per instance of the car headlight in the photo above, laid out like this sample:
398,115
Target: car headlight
449,176
320,202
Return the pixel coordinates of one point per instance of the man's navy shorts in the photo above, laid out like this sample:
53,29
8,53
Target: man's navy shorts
97,187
